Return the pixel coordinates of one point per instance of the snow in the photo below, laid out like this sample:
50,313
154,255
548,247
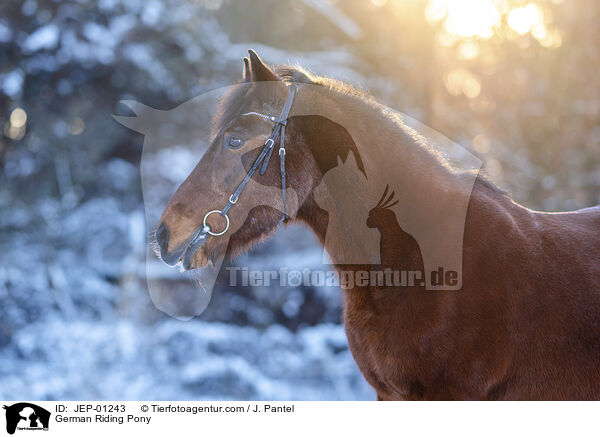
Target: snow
29,7
179,360
76,320
337,17
12,83
46,37
5,32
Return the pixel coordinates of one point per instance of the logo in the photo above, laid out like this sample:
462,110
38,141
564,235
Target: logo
26,416
389,208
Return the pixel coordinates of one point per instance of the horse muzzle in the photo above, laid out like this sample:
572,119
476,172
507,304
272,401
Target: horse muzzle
189,255
194,255
162,240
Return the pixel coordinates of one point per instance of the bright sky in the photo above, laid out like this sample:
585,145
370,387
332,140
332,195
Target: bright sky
481,18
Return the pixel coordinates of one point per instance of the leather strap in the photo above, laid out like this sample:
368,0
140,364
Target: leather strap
282,168
265,155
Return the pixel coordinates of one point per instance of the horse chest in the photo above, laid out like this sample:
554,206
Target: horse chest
391,363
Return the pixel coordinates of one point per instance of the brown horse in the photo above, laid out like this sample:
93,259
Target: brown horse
526,322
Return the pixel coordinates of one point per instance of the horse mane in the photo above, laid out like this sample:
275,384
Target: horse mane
235,104
297,74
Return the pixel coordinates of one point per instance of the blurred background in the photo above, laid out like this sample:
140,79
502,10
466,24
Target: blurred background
515,81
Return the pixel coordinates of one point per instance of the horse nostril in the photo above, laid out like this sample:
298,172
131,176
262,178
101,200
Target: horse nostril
162,237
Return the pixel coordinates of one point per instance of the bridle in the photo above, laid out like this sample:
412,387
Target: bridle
263,158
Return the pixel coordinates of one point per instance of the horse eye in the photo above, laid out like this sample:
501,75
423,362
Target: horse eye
233,142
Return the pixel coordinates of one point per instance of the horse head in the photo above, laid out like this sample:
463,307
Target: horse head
239,136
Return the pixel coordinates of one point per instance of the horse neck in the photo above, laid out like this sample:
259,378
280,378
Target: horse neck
382,140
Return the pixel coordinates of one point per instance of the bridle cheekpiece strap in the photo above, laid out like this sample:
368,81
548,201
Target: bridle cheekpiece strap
263,158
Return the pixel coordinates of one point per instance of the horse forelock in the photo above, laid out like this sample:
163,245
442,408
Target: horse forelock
233,104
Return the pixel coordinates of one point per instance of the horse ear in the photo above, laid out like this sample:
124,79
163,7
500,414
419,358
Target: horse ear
246,72
258,70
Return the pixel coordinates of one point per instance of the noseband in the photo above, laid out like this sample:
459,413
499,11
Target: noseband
263,158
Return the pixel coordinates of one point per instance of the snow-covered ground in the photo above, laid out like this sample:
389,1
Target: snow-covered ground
76,320
120,359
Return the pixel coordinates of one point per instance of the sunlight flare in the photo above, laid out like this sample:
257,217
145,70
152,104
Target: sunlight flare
524,19
466,18
472,19
461,81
